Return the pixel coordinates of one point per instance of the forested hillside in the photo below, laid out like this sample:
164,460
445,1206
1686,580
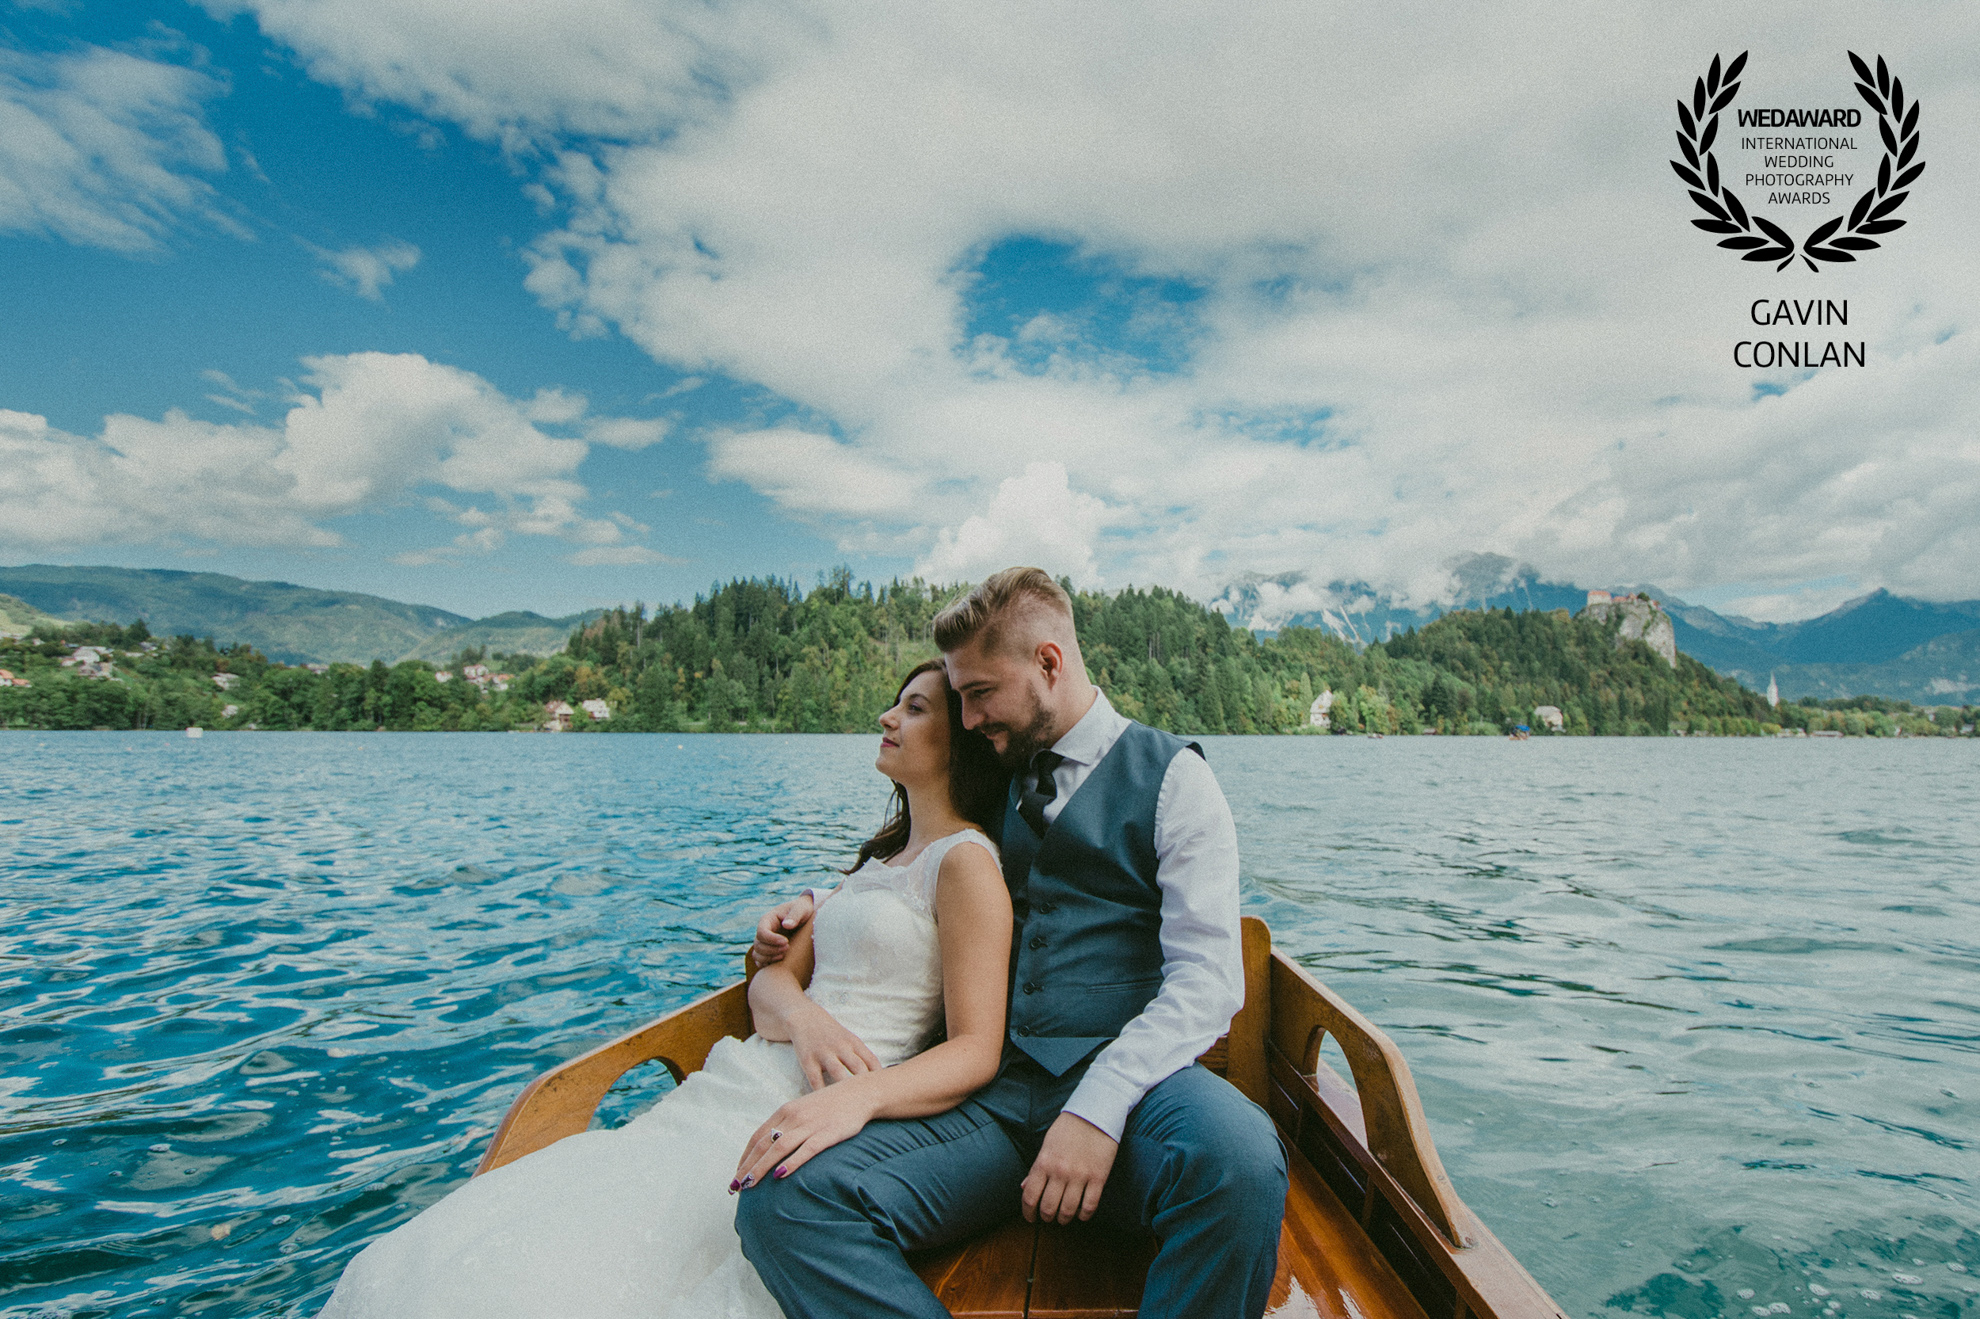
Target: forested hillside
766,655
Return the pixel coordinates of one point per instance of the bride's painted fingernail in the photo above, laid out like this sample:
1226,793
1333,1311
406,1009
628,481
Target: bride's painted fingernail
748,1182
783,1172
734,1186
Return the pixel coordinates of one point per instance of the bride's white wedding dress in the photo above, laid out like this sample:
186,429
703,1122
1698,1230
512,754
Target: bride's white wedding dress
639,1220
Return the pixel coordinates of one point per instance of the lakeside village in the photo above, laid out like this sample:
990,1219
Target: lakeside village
766,655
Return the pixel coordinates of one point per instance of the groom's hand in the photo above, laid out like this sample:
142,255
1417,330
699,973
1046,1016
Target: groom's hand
773,931
826,1050
1070,1172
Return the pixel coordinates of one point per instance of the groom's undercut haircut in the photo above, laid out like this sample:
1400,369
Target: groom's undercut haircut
1010,610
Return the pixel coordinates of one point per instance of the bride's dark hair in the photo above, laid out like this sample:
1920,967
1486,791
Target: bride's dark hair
978,783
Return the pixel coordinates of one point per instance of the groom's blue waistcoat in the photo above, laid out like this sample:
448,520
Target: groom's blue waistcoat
1086,952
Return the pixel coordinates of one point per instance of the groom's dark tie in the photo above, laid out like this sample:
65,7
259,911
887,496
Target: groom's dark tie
1032,800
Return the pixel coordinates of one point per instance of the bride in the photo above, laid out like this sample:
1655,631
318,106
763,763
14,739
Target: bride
914,946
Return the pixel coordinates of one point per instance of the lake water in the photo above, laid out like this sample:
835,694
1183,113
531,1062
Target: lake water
1695,1022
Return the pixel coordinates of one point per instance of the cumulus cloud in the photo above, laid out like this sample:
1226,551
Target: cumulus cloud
104,148
1445,292
366,271
367,431
1036,518
814,473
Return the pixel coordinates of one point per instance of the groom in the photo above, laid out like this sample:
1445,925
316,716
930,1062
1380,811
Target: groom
1121,859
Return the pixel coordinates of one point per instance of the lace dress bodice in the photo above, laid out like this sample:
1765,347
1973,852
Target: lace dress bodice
878,957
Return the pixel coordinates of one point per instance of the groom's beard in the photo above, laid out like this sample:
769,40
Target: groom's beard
1023,743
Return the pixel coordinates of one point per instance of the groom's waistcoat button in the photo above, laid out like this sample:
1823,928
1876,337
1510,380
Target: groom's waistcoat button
1024,1030
1031,986
1047,908
1037,941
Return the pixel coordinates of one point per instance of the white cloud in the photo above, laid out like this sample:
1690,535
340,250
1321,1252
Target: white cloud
626,432
104,148
522,72
1786,606
1034,519
813,474
1451,299
368,432
366,271
620,556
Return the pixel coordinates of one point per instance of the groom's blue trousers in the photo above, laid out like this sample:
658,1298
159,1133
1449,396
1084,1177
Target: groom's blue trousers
1199,1168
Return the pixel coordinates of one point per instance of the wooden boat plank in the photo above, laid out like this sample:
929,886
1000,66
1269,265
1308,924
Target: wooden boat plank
1323,1248
986,1277
1481,1278
1397,1133
1088,1272
560,1102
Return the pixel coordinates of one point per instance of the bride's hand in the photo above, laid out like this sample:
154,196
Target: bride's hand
829,1052
800,1129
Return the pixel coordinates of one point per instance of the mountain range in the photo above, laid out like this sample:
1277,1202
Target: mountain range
1879,644
293,624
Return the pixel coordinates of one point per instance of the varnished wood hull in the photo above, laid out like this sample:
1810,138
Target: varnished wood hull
1373,1229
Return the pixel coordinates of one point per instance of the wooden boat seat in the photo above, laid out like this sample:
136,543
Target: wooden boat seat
1372,1230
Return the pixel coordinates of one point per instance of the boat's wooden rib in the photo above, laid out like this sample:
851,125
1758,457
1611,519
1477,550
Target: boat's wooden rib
560,1102
1373,1228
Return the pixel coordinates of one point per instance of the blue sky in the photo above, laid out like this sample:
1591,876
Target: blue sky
573,303
139,332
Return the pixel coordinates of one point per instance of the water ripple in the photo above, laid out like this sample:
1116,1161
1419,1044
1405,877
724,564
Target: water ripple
1693,1021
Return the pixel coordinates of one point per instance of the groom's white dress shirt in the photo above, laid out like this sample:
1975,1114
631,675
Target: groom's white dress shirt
1202,952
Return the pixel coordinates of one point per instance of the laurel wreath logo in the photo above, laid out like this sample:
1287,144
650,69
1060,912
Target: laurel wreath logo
1698,129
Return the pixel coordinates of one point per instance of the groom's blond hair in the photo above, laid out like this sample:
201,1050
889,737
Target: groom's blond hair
1007,610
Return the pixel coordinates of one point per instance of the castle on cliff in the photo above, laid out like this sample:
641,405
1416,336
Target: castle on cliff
1643,619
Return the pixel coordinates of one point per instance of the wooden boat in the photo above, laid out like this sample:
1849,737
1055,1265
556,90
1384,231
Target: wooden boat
1372,1230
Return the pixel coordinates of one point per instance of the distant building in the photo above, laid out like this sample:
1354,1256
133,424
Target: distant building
500,682
557,716
1549,715
1599,597
474,672
229,711
86,655
597,710
1320,713
317,668
226,682
443,676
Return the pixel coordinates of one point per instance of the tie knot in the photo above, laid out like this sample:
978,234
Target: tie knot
1032,799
